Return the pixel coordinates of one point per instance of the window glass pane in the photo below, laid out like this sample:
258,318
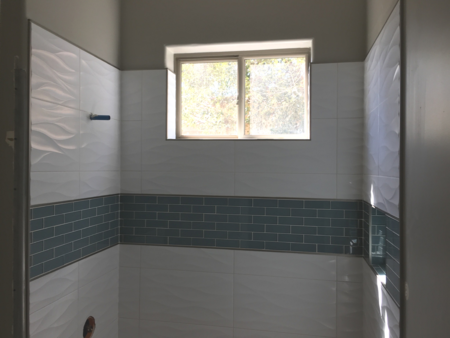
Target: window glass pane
275,101
209,98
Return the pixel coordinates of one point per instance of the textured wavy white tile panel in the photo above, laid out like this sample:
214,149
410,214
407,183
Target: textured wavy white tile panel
55,137
162,155
55,67
324,80
129,292
240,333
391,315
350,146
317,156
99,183
389,152
181,330
49,288
188,183
187,297
154,129
50,187
130,145
350,269
388,195
131,95
57,319
100,87
371,143
371,78
154,93
349,186
373,323
128,328
350,89
100,144
130,255
130,182
187,259
100,299
285,305
97,265
370,190
285,265
285,185
349,310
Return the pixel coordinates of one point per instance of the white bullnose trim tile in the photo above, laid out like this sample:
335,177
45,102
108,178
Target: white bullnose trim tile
324,89
276,264
181,330
51,187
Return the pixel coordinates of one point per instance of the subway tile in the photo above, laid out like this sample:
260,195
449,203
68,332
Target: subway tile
227,243
345,241
168,216
203,242
126,199
87,250
63,249
72,256
53,264
284,229
248,202
81,224
227,226
111,216
145,231
36,224
36,270
157,224
331,213
43,211
192,217
73,236
96,220
96,202
240,235
337,249
192,200
156,240
344,205
53,242
180,225
304,212
180,241
132,207
303,247
180,208
252,227
145,199
330,231
317,204
72,216
265,219
43,256
134,239
228,210
290,238
110,200
168,200
278,246
80,243
265,202
304,230
252,211
240,218
53,220
88,213
265,237
215,234
192,233
293,204
319,222
63,208
81,205
157,207
208,209
278,211
317,239
168,232
36,247
88,232
290,220
344,223
215,218
203,225
102,227
145,215
43,234
103,244
216,201
251,245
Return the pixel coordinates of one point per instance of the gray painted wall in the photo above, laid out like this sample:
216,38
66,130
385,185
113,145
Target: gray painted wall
378,12
338,27
426,180
92,25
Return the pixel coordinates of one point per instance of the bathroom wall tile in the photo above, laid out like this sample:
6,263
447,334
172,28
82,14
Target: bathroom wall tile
55,139
285,265
350,90
285,185
187,259
387,198
54,68
349,310
316,156
391,314
154,93
188,183
98,265
129,291
171,105
130,255
349,269
128,327
51,287
371,143
349,186
373,323
324,80
166,295
56,319
240,333
285,305
131,95
100,87
50,187
99,298
181,330
130,145
350,148
99,183
130,182
389,152
100,144
371,78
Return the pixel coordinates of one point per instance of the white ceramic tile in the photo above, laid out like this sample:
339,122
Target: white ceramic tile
373,323
130,145
240,333
350,89
188,183
162,155
187,297
285,305
50,187
130,182
350,146
317,156
391,314
321,267
154,93
54,68
371,143
129,292
58,319
97,265
370,189
154,129
187,259
128,328
100,144
99,183
100,87
100,299
324,80
130,255
388,197
55,137
285,185
350,269
349,310
389,152
181,330
349,186
131,95
371,78
49,288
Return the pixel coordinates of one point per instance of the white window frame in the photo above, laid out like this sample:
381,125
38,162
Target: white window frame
240,58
